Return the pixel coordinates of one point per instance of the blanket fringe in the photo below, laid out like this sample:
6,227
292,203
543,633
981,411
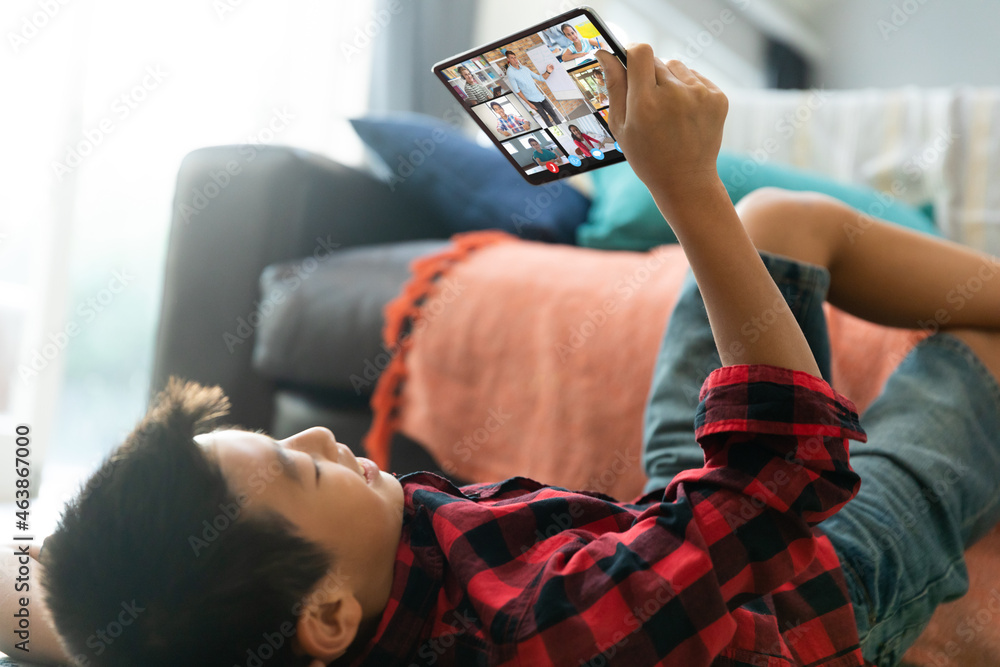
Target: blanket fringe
401,314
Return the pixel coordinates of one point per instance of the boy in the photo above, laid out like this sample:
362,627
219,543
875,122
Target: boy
192,546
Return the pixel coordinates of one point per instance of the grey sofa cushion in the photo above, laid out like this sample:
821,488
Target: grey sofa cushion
319,322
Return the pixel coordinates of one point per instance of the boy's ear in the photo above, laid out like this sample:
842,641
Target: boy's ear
328,626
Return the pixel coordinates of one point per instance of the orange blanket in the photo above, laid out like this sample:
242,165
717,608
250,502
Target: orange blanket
524,358
520,358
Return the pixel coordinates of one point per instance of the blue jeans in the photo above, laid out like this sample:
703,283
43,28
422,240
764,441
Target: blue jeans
930,471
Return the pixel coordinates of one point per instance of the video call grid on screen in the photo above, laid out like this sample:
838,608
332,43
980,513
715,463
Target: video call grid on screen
542,98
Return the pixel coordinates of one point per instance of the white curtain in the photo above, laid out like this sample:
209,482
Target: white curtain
427,31
915,145
102,99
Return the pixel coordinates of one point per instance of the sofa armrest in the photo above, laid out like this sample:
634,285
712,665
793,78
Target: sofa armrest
236,210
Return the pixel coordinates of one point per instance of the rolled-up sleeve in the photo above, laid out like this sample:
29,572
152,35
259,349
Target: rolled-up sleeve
776,447
778,438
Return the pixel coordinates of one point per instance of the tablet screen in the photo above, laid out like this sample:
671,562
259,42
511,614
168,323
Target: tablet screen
541,95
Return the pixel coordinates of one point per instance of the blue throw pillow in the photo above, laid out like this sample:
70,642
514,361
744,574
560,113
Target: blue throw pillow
624,216
470,186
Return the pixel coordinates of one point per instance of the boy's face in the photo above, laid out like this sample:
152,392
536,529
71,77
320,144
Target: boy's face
342,502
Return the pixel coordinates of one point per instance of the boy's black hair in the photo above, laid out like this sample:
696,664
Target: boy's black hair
155,564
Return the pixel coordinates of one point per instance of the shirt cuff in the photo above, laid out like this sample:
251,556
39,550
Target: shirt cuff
759,398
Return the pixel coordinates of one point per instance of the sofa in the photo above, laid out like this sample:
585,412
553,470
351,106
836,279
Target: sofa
217,328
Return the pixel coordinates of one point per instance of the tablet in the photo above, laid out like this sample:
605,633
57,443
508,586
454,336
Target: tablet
541,96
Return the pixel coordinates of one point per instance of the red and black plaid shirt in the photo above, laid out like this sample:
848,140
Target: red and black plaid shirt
724,567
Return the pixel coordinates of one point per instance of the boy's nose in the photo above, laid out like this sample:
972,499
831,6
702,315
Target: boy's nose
316,440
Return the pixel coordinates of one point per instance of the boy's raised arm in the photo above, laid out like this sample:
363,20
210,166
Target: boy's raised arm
668,121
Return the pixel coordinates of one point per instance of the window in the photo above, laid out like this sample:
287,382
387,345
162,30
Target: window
114,95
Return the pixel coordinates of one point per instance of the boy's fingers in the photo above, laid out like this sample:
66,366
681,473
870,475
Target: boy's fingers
641,67
705,80
663,73
615,78
681,71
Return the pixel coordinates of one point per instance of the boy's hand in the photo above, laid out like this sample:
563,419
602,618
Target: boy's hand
667,119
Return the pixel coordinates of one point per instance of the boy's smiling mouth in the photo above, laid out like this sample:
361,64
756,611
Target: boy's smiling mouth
370,471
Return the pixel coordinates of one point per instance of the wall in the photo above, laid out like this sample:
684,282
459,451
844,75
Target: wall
729,51
856,43
888,43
